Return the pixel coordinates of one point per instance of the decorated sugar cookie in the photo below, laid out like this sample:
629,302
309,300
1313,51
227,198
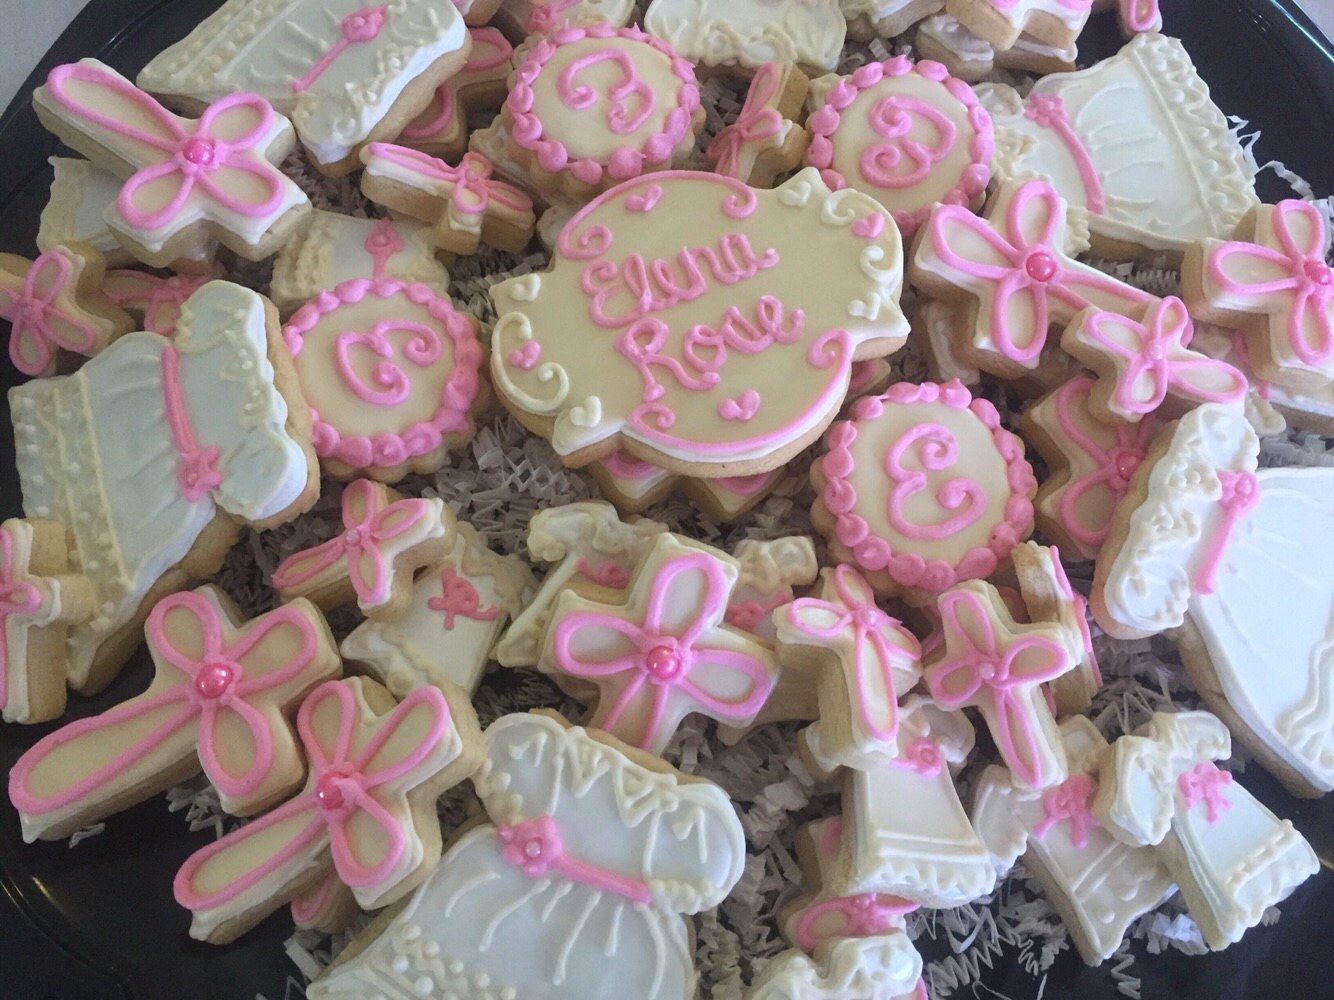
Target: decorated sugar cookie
1048,597
933,330
997,666
868,19
1135,16
665,652
908,134
391,373
971,58
923,488
457,609
1146,366
1097,884
764,140
590,107
54,304
327,908
742,35
1001,22
186,183
931,854
465,204
1272,280
385,539
367,811
477,12
155,302
1270,408
1231,857
1133,144
345,71
1012,269
593,854
542,17
706,326
442,128
177,443
39,596
863,661
217,703
74,212
635,485
335,248
886,965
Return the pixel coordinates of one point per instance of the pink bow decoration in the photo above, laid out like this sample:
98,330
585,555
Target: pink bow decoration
1239,491
1069,802
883,651
458,598
664,655
17,597
754,123
158,300
39,326
987,667
863,915
1205,783
534,846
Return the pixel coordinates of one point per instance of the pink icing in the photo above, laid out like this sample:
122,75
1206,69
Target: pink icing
490,50
381,243
1140,15
1205,783
880,644
342,802
1294,263
524,357
1239,492
1080,612
908,568
1023,264
747,615
609,574
742,408
921,755
158,299
456,394
458,598
1048,111
212,692
547,15
183,156
1069,802
360,26
196,468
1067,4
863,915
755,122
38,326
306,909
981,668
17,597
365,547
937,449
470,187
630,103
666,654
896,161
391,384
535,847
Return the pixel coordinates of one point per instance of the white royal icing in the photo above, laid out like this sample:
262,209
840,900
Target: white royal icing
750,33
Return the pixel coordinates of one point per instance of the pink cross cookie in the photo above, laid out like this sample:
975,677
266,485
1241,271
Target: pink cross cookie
216,703
1144,365
155,301
1001,22
1013,264
442,128
762,141
666,651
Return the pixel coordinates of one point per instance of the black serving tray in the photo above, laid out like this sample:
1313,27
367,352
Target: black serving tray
98,921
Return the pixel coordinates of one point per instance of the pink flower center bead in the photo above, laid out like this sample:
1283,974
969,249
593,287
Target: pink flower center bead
1318,273
352,538
663,663
336,791
1125,462
1040,265
869,618
199,152
214,680
30,312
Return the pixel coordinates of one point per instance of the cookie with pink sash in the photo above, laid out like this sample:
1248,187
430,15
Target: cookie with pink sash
1048,597
55,307
366,813
592,855
392,375
997,666
764,140
385,539
1097,884
741,35
464,204
1231,857
922,488
1273,281
907,134
40,594
886,965
346,72
153,300
442,128
185,182
1011,268
1001,22
218,703
591,107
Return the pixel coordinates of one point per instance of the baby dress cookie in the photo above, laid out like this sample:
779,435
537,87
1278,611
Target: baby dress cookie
391,373
155,301
1012,269
664,650
1001,22
75,211
1048,597
590,107
346,72
457,608
218,701
186,182
335,248
923,488
764,139
367,810
1273,281
465,204
39,596
442,128
869,19
1231,857
701,324
592,855
1133,144
55,305
152,452
1097,884
908,134
386,538
886,965
742,35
